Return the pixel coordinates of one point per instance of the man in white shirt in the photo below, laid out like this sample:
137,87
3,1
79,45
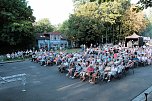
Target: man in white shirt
113,72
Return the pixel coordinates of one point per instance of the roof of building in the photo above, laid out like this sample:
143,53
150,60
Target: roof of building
54,33
43,36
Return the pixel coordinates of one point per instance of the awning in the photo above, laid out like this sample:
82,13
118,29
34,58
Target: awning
133,36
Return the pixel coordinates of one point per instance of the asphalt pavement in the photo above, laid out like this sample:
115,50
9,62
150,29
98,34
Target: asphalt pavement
47,84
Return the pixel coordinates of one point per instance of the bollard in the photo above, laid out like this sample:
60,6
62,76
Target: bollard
146,96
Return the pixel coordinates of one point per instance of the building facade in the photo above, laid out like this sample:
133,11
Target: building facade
51,40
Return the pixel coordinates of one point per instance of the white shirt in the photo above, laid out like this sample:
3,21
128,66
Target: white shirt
143,58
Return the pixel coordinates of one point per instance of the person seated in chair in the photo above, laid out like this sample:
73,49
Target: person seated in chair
71,70
149,61
58,61
89,71
43,60
33,57
129,65
106,71
136,60
95,75
120,67
64,65
86,72
144,59
78,70
113,71
48,62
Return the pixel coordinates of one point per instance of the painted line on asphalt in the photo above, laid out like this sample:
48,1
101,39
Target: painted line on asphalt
67,86
141,97
79,85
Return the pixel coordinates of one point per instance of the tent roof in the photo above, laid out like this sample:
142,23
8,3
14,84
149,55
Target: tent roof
133,36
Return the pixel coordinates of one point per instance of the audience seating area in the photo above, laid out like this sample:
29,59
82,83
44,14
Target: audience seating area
96,64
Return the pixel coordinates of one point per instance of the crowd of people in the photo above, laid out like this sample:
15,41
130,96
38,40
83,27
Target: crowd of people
96,63
19,54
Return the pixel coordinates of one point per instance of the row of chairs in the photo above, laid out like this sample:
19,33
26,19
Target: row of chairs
94,77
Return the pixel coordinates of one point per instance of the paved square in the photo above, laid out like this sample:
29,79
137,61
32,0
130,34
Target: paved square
47,84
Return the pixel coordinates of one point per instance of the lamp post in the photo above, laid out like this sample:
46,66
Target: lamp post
132,43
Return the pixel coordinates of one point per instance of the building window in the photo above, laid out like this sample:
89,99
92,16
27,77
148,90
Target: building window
50,37
53,37
57,37
60,37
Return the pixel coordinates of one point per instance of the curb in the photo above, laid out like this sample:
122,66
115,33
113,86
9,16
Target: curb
149,97
12,61
141,97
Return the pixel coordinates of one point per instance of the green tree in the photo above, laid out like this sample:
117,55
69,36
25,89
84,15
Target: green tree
96,21
147,32
145,3
43,25
133,21
16,29
108,14
83,29
150,16
63,28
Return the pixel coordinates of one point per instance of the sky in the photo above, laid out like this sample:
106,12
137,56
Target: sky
134,1
56,10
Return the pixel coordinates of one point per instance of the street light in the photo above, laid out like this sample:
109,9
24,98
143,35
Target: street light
132,43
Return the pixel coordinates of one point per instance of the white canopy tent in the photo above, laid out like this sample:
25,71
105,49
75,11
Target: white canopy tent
133,36
133,40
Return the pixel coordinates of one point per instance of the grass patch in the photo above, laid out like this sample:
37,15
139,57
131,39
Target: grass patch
72,50
4,59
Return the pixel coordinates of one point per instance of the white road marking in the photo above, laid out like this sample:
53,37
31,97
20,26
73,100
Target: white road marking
67,86
36,82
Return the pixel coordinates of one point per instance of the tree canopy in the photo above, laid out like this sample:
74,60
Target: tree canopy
133,21
16,29
43,25
145,3
102,21
96,21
